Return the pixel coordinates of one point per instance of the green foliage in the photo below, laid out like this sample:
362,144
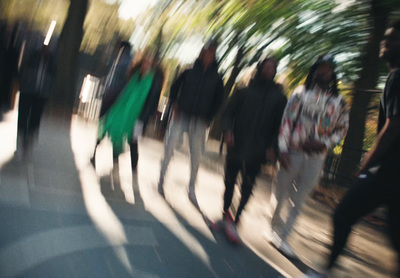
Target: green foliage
104,27
36,14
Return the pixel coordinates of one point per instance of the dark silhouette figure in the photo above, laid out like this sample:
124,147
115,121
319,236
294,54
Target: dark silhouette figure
36,76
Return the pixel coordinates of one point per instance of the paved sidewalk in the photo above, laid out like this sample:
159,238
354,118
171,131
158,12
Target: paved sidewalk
62,218
78,222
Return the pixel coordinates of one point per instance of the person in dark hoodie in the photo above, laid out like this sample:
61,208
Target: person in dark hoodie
251,121
35,80
196,97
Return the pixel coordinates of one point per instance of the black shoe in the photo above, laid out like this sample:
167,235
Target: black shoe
93,161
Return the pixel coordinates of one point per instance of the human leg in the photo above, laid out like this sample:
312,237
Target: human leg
24,112
250,172
134,154
174,133
305,182
197,133
232,168
38,105
361,199
284,187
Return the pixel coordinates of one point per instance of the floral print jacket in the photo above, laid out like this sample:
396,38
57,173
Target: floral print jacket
313,115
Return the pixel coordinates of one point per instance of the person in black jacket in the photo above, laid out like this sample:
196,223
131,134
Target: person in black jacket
251,122
377,183
35,80
196,97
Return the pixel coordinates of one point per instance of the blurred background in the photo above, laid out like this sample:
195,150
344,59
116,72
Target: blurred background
84,34
83,37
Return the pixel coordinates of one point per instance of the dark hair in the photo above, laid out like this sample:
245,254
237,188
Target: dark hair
261,64
310,80
396,25
138,65
212,43
126,46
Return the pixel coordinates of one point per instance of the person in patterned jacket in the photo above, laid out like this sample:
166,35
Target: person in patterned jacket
315,120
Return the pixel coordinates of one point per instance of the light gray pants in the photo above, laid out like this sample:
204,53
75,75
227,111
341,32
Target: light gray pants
196,130
293,187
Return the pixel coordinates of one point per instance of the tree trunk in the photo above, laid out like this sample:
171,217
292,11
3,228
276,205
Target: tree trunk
353,144
67,58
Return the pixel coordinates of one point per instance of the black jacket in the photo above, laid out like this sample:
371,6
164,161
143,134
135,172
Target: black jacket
37,72
115,82
197,92
254,116
150,106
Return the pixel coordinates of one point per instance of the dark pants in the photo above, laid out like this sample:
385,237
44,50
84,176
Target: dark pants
30,112
134,154
375,189
249,170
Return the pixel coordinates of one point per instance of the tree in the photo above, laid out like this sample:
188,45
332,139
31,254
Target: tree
63,97
352,149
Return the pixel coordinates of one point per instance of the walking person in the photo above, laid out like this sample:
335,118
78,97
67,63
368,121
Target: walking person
196,96
129,106
315,119
251,122
9,56
35,82
377,183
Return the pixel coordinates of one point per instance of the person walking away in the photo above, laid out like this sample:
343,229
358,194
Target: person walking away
9,56
35,80
196,97
251,122
377,183
116,80
315,119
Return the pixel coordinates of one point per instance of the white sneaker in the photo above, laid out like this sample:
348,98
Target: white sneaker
313,274
287,250
282,246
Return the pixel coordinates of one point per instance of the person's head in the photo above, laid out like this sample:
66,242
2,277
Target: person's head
143,63
125,46
322,73
266,69
208,53
147,64
390,45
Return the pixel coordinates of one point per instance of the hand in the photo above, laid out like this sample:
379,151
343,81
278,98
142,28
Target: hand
312,146
364,164
228,138
284,160
175,111
271,155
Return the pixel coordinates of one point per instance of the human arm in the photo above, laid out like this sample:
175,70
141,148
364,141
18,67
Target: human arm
176,87
218,100
387,137
273,150
290,118
341,126
228,116
389,124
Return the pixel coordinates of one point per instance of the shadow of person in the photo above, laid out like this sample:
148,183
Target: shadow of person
226,259
110,185
136,191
